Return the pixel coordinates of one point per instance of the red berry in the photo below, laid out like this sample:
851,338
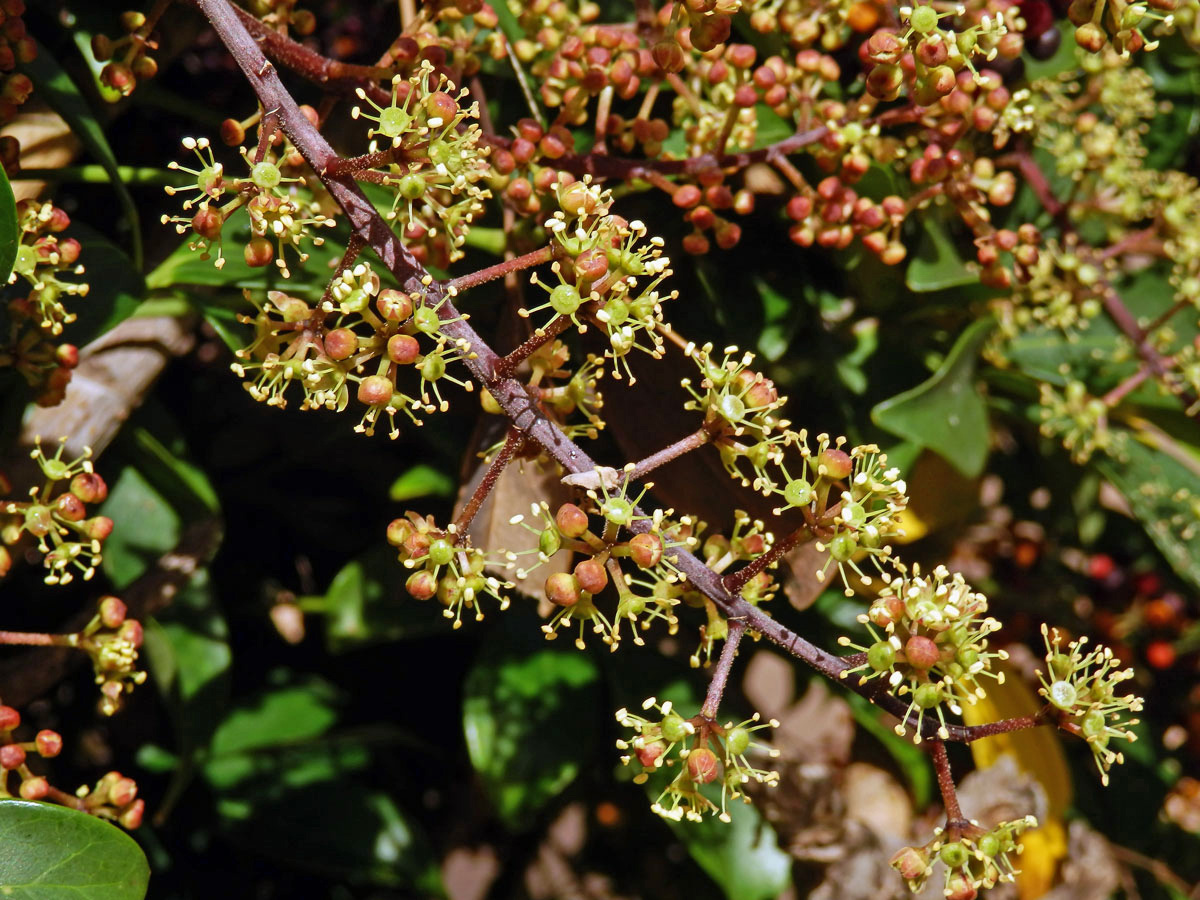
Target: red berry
562,589
9,718
571,520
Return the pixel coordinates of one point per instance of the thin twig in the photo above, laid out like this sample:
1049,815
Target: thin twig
513,442
499,270
941,763
720,675
693,441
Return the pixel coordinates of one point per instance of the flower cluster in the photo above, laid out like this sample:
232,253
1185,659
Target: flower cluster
111,639
127,59
603,283
360,334
444,567
16,46
281,216
431,156
1082,684
934,644
704,752
47,265
114,796
56,517
36,320
974,858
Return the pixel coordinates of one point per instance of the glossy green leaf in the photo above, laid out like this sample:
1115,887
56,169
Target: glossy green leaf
742,856
421,481
51,852
936,264
10,231
945,413
529,714
148,527
55,86
1150,479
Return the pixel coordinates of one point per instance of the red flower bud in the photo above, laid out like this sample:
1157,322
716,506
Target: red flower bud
49,743
702,765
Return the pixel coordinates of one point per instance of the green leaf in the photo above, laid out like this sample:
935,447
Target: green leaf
55,853
184,483
1150,480
147,527
364,604
945,413
115,287
421,481
284,715
779,324
10,232
529,714
287,789
187,646
937,265
55,86
743,856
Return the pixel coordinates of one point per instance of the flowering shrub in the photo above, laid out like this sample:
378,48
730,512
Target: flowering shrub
549,238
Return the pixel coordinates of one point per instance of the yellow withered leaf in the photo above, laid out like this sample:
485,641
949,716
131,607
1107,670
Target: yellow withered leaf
1038,752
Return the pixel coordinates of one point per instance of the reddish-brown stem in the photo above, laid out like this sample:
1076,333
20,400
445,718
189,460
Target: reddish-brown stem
1038,183
308,63
355,165
735,581
499,270
1165,316
266,131
508,364
486,367
1118,393
1003,726
693,441
62,798
513,441
945,778
34,639
720,675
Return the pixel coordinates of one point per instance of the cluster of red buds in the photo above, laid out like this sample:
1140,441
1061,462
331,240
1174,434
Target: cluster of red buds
56,516
114,796
48,264
15,47
127,58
